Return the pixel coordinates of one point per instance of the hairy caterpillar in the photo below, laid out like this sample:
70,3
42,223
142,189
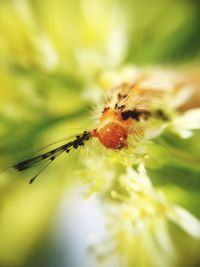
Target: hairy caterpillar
129,107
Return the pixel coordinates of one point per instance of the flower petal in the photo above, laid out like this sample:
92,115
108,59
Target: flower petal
189,120
186,221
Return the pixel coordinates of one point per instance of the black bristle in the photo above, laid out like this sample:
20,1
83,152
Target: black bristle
51,155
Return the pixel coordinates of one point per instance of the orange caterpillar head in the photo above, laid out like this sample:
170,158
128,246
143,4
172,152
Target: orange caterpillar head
113,131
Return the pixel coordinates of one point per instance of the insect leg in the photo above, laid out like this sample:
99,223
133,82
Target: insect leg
40,170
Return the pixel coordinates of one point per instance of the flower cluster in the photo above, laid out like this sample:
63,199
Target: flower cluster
139,216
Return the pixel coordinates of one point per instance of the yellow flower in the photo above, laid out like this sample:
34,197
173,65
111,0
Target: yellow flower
138,216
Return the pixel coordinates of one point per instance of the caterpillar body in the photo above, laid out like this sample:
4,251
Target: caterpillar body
127,111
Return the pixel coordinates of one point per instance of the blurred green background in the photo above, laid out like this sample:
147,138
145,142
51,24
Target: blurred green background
51,55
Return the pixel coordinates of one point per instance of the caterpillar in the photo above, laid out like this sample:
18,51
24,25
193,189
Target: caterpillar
128,108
